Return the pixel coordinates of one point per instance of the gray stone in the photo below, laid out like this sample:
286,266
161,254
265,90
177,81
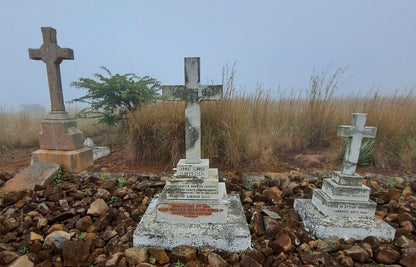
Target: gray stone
272,214
323,226
232,235
57,238
100,152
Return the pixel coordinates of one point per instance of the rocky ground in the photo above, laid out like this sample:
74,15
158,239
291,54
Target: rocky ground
89,219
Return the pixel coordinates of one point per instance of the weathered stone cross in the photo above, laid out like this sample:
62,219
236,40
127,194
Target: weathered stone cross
52,55
354,133
192,93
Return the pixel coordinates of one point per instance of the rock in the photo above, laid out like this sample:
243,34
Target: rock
55,227
272,227
272,194
329,245
100,260
257,222
368,248
97,208
183,253
104,194
103,220
407,192
407,226
108,235
22,261
84,223
53,193
404,242
136,255
7,257
256,255
38,173
216,260
10,224
373,241
34,236
409,261
194,264
303,248
56,239
249,262
114,259
282,243
75,253
272,214
393,205
159,254
357,253
387,255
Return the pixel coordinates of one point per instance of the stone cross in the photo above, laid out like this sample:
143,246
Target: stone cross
354,134
192,93
52,55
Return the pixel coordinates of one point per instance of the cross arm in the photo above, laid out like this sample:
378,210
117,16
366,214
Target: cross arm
211,92
35,54
65,53
348,131
174,92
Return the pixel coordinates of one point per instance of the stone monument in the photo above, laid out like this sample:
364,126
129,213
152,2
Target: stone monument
342,207
60,141
194,208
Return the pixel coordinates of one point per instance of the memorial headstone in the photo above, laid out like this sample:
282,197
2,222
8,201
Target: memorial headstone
60,140
342,207
194,208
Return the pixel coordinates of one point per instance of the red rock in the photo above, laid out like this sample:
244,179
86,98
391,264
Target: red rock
258,224
183,253
282,243
97,208
7,257
159,254
75,253
216,260
84,223
249,262
387,255
256,255
357,253
136,255
373,241
409,261
329,245
22,261
194,264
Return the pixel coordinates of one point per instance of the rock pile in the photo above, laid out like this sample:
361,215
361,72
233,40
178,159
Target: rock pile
89,219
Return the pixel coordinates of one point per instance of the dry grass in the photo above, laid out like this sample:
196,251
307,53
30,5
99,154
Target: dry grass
250,131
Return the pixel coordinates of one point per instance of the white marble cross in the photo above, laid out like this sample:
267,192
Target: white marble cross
52,55
354,135
192,93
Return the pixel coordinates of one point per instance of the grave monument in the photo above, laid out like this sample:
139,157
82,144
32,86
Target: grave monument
194,208
60,141
342,207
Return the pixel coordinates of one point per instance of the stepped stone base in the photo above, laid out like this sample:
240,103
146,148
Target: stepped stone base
233,235
322,226
71,161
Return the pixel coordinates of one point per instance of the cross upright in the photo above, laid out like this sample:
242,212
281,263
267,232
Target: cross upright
192,93
354,135
52,55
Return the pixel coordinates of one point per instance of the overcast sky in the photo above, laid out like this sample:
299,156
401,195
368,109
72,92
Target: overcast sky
275,43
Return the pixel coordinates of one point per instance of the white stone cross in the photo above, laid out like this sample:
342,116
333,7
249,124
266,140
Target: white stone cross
52,55
192,93
354,134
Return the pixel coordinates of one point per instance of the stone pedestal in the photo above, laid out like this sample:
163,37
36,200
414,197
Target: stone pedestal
196,211
59,131
343,208
71,161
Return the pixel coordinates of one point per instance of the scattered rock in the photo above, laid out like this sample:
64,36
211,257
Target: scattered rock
357,253
22,261
75,253
282,243
387,255
183,253
329,245
216,260
136,255
56,239
97,208
7,257
159,254
84,223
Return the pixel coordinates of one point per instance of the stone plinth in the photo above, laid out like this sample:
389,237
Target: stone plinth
232,235
60,132
323,226
71,161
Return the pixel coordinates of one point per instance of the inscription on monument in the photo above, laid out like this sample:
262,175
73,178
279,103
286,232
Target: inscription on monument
188,210
192,191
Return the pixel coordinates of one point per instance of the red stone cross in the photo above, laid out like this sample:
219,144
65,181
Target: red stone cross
52,55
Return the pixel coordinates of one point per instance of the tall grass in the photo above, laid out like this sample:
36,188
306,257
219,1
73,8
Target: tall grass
252,132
